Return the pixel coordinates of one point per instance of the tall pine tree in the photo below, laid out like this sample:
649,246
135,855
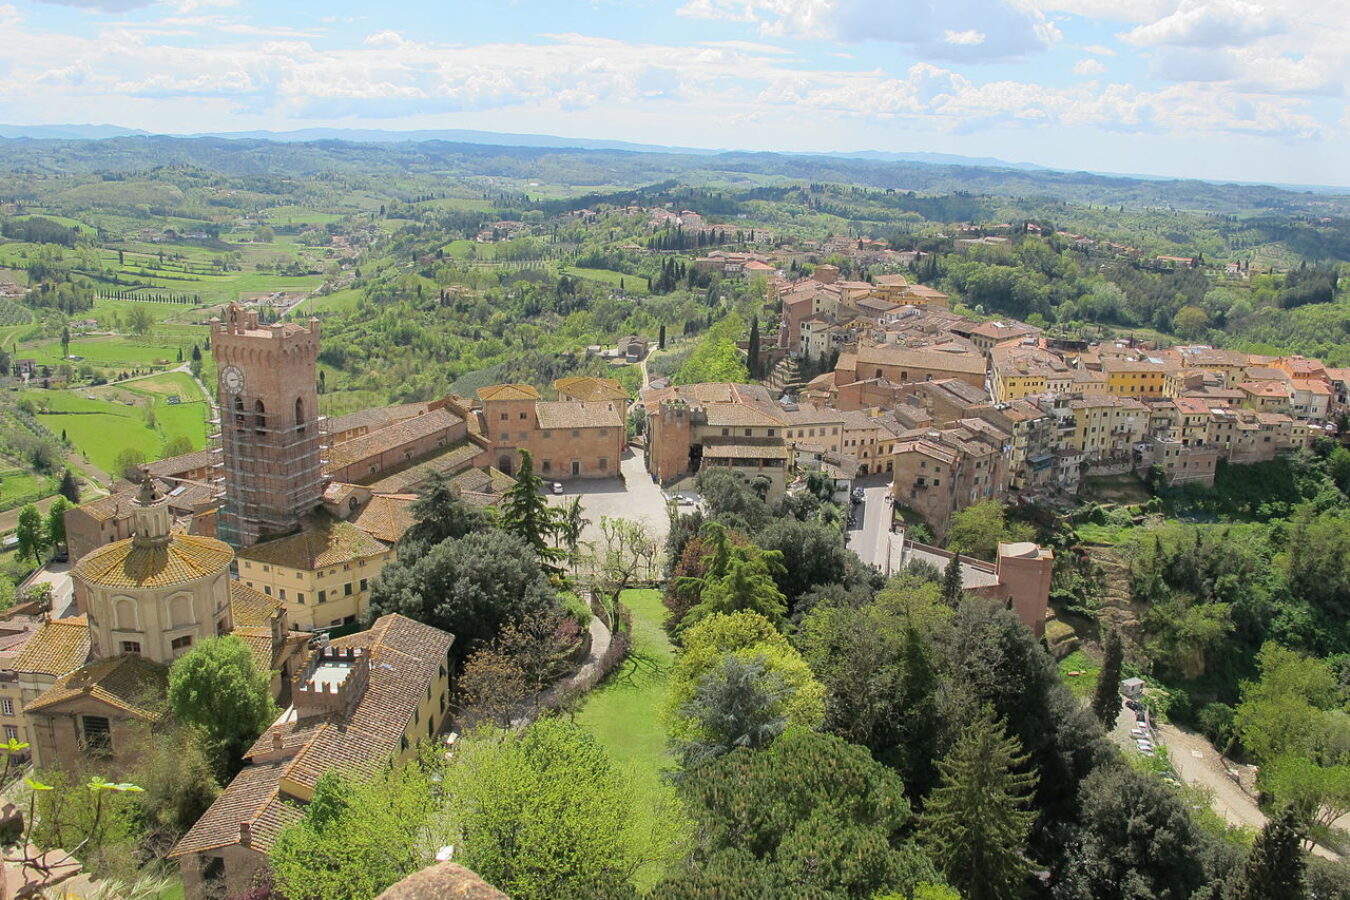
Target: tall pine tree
1106,698
976,822
526,514
1274,867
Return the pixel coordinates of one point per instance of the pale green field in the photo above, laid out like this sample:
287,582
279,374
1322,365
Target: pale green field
115,418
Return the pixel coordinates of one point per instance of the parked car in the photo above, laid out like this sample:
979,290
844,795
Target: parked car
858,495
557,487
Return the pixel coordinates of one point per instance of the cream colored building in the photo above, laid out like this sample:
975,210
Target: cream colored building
322,574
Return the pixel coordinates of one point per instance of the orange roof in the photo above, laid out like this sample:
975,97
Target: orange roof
124,564
508,392
586,387
130,683
60,646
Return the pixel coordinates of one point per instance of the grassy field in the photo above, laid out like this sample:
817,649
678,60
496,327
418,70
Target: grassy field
1087,669
633,284
624,712
102,422
19,484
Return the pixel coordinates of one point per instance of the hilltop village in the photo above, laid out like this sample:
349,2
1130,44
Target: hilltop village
763,515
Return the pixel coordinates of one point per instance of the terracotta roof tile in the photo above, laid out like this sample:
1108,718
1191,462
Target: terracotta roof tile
406,479
251,797
60,646
250,608
406,657
389,438
323,541
184,558
386,516
175,465
564,414
508,392
130,683
591,389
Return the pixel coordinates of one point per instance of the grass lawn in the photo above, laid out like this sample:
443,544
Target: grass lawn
17,484
106,425
624,713
1090,533
1088,669
111,352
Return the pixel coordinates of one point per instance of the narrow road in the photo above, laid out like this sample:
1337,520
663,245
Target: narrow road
1197,762
873,517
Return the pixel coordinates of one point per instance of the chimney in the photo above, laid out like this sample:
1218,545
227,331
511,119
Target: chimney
245,833
277,742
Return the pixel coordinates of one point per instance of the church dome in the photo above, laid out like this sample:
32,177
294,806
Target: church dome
132,564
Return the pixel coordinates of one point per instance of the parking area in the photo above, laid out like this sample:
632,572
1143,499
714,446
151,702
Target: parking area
635,497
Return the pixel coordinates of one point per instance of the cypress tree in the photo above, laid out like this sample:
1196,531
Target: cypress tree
69,488
1274,867
952,585
976,823
753,347
1106,698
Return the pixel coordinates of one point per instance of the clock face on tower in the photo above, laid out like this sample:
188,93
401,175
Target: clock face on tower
232,379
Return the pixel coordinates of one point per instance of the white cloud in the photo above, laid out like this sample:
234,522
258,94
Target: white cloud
968,38
1009,29
101,5
590,79
1099,50
1208,23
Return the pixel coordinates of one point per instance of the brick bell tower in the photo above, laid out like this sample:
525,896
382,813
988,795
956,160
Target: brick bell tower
271,436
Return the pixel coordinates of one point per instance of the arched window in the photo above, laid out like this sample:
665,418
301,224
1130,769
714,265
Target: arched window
259,417
180,611
238,410
300,414
125,616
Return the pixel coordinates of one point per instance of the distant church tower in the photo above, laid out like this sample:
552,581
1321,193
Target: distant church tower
270,430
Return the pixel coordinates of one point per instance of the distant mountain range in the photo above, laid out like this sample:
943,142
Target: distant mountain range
469,136
927,171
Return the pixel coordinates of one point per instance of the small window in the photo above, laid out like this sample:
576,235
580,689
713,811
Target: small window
299,596
347,589
748,432
131,647
323,595
576,432
181,643
281,593
505,417
547,435
7,706
548,463
11,733
604,464
97,733
267,589
365,584
524,416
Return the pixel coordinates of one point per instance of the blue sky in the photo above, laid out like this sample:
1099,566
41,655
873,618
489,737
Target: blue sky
1250,90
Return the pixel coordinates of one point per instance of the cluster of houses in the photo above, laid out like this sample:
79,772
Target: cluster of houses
959,411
